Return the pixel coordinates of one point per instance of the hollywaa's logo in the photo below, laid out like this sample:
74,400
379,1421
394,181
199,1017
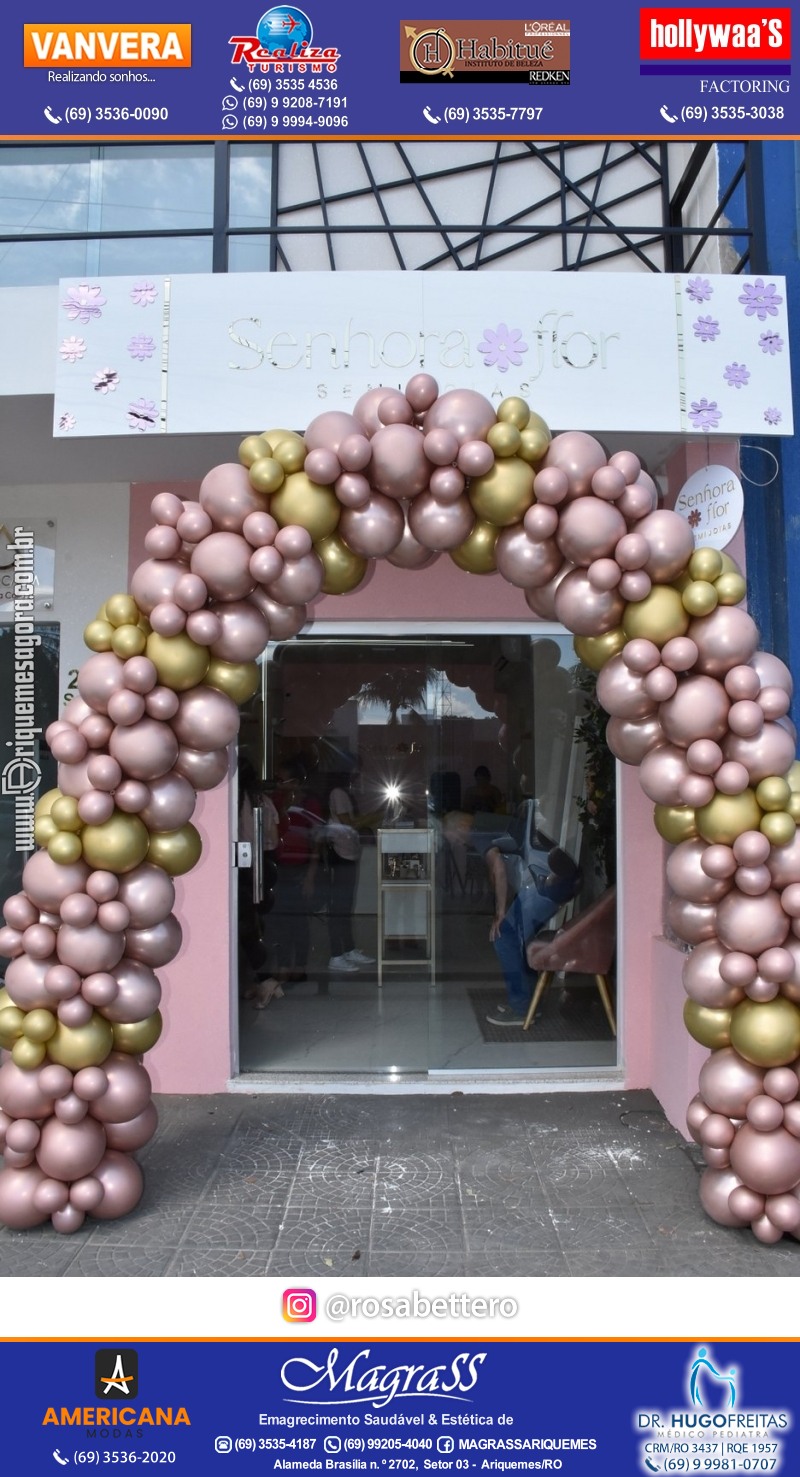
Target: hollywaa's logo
283,43
359,1382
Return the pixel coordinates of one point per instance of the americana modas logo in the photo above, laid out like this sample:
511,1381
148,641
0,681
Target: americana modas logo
116,1374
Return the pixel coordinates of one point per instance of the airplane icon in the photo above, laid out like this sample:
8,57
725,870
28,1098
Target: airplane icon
290,24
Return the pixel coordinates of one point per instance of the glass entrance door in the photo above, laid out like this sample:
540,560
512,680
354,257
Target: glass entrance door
380,780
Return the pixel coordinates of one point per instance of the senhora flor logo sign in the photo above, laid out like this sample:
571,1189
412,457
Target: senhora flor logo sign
360,1381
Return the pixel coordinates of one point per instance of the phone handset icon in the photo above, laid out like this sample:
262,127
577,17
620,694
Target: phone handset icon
431,117
665,113
52,117
62,1460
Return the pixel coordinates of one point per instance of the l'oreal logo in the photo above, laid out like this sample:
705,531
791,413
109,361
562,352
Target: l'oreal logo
361,1383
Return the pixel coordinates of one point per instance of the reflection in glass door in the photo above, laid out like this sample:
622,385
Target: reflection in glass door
380,780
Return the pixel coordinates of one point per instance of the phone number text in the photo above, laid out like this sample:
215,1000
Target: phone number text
117,115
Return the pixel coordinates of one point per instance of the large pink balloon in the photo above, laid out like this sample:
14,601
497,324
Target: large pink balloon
523,562
771,752
146,750
204,769
690,921
579,456
728,1083
584,610
621,692
726,638
68,1151
284,621
399,466
244,632
589,529
89,950
48,883
227,496
751,924
767,1162
783,863
542,601
223,561
156,945
25,982
715,1188
464,412
171,804
122,1182
149,895
139,993
375,529
18,1209
128,1092
154,582
135,1133
22,1093
702,980
73,779
299,582
661,775
440,526
206,719
771,671
686,877
410,553
629,739
670,541
328,431
100,677
699,710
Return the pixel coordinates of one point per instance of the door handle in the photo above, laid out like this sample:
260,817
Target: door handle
258,854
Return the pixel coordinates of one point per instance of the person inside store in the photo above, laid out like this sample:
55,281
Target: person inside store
255,974
483,797
299,824
342,849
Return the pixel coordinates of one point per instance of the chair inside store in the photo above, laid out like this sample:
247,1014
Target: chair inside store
585,946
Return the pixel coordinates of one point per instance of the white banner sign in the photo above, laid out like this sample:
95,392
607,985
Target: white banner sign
697,355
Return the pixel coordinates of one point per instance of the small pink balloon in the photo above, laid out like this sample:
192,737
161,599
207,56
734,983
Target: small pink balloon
762,990
604,574
227,496
696,790
205,770
781,1083
718,861
19,911
193,525
75,1012
699,709
696,1114
540,521
716,1188
167,618
475,458
637,501
746,1203
39,941
731,779
113,917
191,593
692,922
660,684
717,1158
300,581
608,483
421,392
641,656
466,413
751,849
86,1194
222,560
746,719
526,563
704,756
10,942
16,1160
80,910
353,490
771,671
104,772
128,1091
776,964
753,880
266,564
62,982
75,711
322,466
96,730
635,585
629,739
69,746
153,946
132,796
95,807
374,530
51,1195
203,627
765,1113
99,989
703,981
790,899
122,1182
774,702
784,863
145,750
769,1162
90,1083
447,484
742,684
166,508
791,1118
135,1133
18,1187
679,654
738,969
163,542
440,526
627,463
162,702
632,552
71,1109
259,529
394,409
440,447
621,692
551,486
410,553
126,707
23,1135
355,453
67,1221
585,611
727,1082
783,1212
717,1131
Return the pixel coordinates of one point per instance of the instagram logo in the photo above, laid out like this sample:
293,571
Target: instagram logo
299,1305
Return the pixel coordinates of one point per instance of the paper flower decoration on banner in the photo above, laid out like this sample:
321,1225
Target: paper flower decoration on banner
72,349
106,381
141,347
143,294
761,299
142,414
84,302
705,415
736,375
699,289
67,422
770,343
772,416
501,347
706,329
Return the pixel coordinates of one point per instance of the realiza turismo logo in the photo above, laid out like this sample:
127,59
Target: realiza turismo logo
283,43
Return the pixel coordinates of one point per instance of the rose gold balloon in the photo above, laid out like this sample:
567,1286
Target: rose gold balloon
639,499
39,941
259,529
727,1082
717,1131
696,1114
773,702
322,467
104,772
746,1203
354,452
87,1193
135,1133
25,982
771,753
293,541
171,803
67,1221
765,1113
72,1109
781,1083
790,899
223,563
89,949
690,921
608,483
753,880
731,778
783,1211
540,521
69,746
579,456
542,601
51,1195
166,619
551,486
746,718
726,638
122,1183
132,796
762,990
193,525
635,586
163,542
113,916
589,529
10,943
447,484
301,581
698,710
464,412
715,1189
523,562
244,632
374,530
768,1162
204,770
717,1158
18,1187
155,946
154,581
227,496
96,730
166,507
399,467
440,447
661,774
751,849
148,893
661,685
126,707
440,526
410,553
791,1118
99,990
771,671
475,459
139,992
99,678
630,739
687,878
353,489
330,429
128,1092
670,541
19,912
73,779
68,1151
206,719
394,409
776,964
696,790
266,564
783,863
421,391
79,909
586,611
702,980
146,750
621,692
751,924
203,627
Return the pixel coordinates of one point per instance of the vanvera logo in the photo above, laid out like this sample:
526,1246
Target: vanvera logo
69,45
360,1382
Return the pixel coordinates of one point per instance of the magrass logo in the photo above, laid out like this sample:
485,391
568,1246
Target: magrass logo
116,1374
283,43
533,52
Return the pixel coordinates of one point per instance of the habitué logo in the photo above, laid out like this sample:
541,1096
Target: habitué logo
116,1374
283,43
534,52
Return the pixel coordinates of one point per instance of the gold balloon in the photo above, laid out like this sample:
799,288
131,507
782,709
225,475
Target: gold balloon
729,566
266,475
344,570
515,412
731,588
727,816
144,625
119,845
476,553
44,830
252,449
65,848
128,641
179,661
39,1025
28,1054
122,610
238,679
137,1037
175,851
291,452
81,1046
504,439
97,635
45,804
658,618
700,597
705,564
301,501
793,777
11,1019
534,442
773,793
504,495
595,651
766,1034
779,827
675,823
793,808
711,1028
64,812
101,614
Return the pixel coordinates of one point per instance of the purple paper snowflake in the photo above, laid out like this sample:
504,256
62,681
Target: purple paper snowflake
772,416
699,289
143,294
736,375
142,414
693,518
705,415
141,347
761,299
706,329
72,349
106,381
84,302
770,343
501,347
67,421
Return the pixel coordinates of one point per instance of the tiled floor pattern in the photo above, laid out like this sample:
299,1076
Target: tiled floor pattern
584,1184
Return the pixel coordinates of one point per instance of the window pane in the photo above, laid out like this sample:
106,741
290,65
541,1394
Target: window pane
34,263
44,190
143,188
146,254
250,185
248,254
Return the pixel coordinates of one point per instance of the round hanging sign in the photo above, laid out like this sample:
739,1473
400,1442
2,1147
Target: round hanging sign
712,502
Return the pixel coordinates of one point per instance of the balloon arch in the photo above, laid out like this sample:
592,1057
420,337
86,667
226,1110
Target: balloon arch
407,476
